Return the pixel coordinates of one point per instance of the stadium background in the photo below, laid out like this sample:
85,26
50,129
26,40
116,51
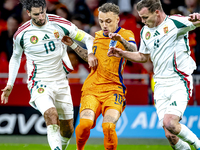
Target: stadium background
19,123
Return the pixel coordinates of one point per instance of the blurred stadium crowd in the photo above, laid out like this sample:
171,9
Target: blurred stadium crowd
84,14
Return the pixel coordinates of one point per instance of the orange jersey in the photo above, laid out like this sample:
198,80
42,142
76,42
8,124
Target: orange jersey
108,75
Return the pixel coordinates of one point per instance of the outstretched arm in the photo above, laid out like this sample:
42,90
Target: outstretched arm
132,56
77,48
195,19
83,53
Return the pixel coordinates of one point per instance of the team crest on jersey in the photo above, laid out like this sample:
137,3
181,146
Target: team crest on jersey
56,34
34,39
147,35
165,29
40,90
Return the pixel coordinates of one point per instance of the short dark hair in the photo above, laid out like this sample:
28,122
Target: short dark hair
109,7
152,5
28,4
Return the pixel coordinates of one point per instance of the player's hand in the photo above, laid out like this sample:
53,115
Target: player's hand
6,92
117,52
67,40
92,61
115,37
194,17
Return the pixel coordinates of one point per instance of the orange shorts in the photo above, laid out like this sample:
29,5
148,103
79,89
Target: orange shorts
102,102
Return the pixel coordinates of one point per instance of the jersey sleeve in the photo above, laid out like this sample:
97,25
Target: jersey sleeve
15,61
183,24
73,32
129,36
83,37
143,48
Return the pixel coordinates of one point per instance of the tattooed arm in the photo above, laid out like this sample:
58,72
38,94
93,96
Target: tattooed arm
83,53
127,45
77,48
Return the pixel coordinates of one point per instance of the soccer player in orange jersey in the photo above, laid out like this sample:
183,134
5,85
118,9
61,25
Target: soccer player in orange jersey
103,90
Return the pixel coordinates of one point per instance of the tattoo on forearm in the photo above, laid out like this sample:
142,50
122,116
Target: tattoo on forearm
83,53
128,46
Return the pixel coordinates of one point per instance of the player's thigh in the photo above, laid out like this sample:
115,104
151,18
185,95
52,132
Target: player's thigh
43,94
175,104
44,103
114,101
90,107
178,103
63,104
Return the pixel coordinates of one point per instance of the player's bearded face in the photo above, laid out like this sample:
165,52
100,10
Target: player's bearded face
38,15
108,22
149,19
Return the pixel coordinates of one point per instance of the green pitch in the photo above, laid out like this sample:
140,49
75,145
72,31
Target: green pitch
87,147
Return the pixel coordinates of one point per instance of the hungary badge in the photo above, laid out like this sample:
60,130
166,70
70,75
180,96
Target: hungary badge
147,35
34,39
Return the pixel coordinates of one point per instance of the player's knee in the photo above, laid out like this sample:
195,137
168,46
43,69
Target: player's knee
86,124
170,125
108,128
51,116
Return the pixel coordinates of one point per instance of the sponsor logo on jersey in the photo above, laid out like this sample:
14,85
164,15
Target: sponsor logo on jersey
173,104
34,39
156,33
40,90
56,34
147,35
165,29
46,37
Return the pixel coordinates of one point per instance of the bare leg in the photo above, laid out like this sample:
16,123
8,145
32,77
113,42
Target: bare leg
53,128
66,131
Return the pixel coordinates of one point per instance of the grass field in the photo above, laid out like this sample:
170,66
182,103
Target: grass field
87,147
40,143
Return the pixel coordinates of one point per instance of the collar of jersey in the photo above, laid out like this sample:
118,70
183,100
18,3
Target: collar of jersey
114,32
161,23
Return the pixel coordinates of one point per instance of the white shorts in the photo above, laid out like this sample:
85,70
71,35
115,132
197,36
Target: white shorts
171,96
47,94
